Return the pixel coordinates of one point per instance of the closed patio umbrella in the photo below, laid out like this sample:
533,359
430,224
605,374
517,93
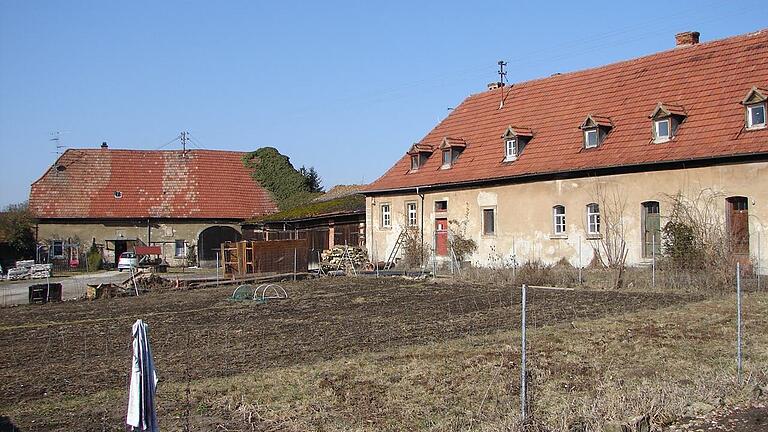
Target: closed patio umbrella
141,400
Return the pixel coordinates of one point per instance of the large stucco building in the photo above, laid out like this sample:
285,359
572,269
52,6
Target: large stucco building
179,200
531,170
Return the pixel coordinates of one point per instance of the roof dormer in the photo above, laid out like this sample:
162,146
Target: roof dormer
595,128
755,105
515,139
419,154
451,148
666,119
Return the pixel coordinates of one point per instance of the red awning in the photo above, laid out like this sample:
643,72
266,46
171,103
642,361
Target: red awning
147,250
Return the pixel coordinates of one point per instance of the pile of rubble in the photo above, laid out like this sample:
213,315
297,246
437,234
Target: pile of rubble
28,269
342,256
147,281
141,282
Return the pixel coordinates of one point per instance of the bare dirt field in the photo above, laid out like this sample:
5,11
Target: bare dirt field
65,366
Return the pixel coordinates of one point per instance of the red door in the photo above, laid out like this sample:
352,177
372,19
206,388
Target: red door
441,236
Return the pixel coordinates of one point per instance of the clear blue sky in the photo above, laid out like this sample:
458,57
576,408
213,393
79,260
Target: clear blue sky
345,87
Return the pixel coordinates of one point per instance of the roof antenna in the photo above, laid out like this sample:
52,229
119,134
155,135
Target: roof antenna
56,137
184,138
502,78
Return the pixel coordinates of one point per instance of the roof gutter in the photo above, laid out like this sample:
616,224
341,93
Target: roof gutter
548,173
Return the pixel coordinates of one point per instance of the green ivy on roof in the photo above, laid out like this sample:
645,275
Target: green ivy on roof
344,205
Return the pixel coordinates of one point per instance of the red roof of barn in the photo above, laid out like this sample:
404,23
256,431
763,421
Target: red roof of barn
84,183
709,80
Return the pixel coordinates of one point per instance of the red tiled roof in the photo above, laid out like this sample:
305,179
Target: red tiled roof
709,80
153,183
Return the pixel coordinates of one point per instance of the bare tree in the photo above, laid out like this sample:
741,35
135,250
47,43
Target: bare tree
611,245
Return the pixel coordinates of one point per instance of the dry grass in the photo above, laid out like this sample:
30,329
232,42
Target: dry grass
715,281
656,363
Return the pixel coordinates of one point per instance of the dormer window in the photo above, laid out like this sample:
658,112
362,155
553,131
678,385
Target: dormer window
666,119
419,154
755,104
447,158
591,138
515,140
511,150
756,116
595,128
661,130
451,148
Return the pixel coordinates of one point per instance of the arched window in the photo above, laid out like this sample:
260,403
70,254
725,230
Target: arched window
558,219
593,219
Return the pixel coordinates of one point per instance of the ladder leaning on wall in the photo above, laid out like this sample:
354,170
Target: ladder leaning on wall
393,255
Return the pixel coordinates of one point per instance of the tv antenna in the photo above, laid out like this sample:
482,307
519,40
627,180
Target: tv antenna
56,138
502,78
184,139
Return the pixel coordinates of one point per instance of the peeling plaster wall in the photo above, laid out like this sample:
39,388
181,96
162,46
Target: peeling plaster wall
164,234
524,218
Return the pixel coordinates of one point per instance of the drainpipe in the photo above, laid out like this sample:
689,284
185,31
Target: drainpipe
149,232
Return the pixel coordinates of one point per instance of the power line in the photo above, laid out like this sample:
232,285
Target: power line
175,139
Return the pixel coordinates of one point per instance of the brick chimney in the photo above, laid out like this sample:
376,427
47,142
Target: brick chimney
687,38
104,145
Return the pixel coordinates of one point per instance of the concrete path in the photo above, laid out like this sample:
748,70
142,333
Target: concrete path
17,292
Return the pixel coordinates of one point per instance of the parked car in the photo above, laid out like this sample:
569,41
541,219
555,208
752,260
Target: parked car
127,260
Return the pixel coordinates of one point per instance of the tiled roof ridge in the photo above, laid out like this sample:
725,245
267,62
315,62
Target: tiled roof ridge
699,46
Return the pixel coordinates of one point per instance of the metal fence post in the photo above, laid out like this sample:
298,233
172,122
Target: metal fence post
294,264
653,264
580,262
217,269
759,260
522,361
738,321
434,253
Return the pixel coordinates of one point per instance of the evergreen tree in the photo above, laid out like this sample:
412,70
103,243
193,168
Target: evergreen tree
312,178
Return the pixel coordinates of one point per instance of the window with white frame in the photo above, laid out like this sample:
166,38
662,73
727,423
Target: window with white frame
511,150
558,219
593,219
386,216
180,249
661,130
756,116
591,138
411,213
447,158
489,221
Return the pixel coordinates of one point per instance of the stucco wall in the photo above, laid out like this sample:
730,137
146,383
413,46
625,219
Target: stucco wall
163,234
524,226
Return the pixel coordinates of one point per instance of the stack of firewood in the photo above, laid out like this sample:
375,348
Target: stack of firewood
28,269
337,256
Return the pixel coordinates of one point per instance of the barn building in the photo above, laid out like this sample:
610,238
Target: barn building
186,201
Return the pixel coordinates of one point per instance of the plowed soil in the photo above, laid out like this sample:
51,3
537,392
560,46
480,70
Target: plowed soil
75,349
